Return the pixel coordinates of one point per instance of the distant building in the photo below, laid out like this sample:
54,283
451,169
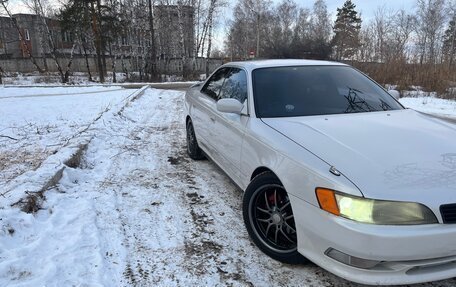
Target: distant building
167,31
166,28
35,37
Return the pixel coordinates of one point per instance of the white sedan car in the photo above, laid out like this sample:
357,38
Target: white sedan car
334,169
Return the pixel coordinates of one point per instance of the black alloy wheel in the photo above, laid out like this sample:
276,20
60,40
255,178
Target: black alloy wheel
269,218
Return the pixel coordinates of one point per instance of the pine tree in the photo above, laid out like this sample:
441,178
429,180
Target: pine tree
346,31
449,42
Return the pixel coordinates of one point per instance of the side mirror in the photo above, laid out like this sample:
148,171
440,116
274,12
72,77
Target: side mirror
395,94
229,106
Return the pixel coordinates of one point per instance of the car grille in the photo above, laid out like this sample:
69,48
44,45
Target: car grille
448,212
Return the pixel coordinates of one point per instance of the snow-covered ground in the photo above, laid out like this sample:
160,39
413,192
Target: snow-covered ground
134,210
36,122
17,91
431,105
76,78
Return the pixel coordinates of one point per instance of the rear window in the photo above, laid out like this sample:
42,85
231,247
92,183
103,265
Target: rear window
317,90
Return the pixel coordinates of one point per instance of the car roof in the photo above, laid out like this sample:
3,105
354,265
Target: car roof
251,65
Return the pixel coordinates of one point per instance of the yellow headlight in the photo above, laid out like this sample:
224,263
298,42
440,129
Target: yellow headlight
374,211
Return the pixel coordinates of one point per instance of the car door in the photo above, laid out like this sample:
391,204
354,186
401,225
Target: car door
230,127
203,110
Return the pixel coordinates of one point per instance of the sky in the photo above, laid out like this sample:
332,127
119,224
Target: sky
367,7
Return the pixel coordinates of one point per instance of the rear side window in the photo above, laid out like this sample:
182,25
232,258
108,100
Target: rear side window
235,85
215,83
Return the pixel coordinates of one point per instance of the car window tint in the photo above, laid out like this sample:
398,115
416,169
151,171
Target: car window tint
317,90
214,85
235,85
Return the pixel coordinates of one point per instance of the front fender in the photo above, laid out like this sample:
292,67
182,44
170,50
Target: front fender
299,170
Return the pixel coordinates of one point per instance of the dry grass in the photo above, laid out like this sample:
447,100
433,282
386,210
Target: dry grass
15,162
431,78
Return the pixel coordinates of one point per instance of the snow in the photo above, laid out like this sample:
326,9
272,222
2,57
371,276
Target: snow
135,211
36,123
431,105
16,91
79,78
76,78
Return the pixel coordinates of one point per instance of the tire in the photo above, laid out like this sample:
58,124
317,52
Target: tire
269,219
193,150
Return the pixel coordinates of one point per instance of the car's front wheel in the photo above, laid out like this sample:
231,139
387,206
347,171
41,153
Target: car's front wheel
193,149
269,219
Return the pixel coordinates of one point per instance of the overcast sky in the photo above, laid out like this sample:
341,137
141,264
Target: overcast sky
368,7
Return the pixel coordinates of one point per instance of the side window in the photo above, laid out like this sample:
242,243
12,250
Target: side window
213,86
235,85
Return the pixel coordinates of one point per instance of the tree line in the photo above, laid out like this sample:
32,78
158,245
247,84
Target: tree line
425,34
417,46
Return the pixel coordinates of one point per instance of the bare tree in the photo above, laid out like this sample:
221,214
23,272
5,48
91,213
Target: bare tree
431,19
151,48
201,25
368,50
382,27
248,30
304,26
181,14
281,28
390,34
210,17
1,75
38,7
400,35
449,38
320,22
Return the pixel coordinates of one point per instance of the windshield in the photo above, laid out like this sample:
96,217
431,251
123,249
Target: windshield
316,90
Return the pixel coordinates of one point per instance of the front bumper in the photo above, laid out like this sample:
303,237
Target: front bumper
408,254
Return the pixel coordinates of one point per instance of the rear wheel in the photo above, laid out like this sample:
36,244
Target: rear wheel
193,149
269,219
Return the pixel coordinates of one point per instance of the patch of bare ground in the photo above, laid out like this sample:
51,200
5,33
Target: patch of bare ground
16,161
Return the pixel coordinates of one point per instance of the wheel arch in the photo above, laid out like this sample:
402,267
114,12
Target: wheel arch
263,169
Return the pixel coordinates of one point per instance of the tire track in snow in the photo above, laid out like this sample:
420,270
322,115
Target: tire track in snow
186,228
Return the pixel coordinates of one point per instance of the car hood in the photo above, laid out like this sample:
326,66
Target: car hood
396,155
